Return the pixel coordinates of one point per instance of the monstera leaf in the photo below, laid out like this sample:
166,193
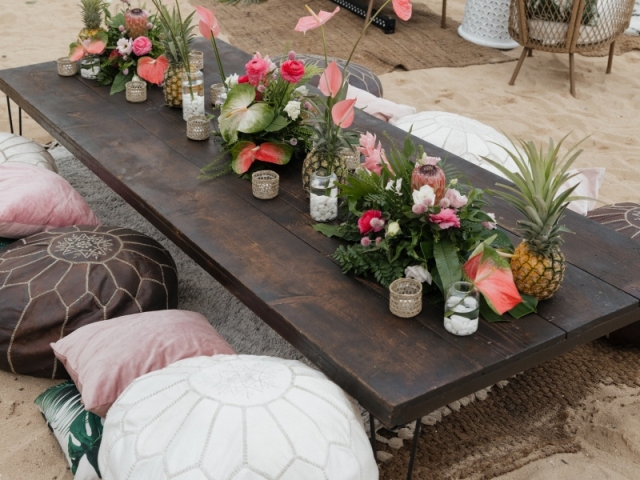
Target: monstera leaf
85,435
244,153
238,115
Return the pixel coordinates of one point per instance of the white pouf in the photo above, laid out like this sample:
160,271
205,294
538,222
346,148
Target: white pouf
17,149
235,417
461,136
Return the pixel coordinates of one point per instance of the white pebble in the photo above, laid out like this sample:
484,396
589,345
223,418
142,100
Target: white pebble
192,106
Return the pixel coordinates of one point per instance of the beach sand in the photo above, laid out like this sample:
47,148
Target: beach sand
537,107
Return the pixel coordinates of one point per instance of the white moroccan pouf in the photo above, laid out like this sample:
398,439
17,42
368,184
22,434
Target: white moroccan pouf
17,149
235,417
461,136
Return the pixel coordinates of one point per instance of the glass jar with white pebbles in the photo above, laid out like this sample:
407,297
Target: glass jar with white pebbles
323,192
462,309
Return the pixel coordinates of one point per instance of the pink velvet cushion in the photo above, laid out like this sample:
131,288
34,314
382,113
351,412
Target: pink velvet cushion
34,199
105,357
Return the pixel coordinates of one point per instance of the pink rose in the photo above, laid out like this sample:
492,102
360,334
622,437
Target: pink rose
455,199
257,69
447,218
364,222
142,46
292,71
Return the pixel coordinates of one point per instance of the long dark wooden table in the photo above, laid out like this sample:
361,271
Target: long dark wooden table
268,255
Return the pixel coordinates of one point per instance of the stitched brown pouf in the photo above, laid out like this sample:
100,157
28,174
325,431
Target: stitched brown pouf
54,282
625,219
359,76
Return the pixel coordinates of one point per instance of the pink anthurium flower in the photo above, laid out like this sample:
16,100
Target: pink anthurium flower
492,276
314,21
402,9
208,24
244,153
90,46
343,113
153,69
330,80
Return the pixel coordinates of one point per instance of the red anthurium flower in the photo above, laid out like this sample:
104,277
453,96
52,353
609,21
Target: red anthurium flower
244,153
330,80
208,24
91,46
492,276
314,21
343,113
153,69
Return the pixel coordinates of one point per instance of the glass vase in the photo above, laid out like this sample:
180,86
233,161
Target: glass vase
192,93
462,309
90,67
323,203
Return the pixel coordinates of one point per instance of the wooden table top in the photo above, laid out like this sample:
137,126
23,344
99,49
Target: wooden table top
268,255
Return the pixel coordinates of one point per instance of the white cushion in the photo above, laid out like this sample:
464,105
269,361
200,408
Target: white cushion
235,417
385,110
472,140
17,149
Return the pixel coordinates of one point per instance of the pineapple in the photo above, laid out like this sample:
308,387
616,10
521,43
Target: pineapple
537,264
317,159
92,18
135,22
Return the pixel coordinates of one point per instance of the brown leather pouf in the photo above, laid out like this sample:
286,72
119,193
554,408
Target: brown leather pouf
54,282
625,219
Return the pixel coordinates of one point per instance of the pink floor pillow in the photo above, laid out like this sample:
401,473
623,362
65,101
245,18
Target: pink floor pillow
54,282
34,199
104,358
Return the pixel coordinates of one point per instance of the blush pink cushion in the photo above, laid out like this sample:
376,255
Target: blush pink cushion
105,357
34,199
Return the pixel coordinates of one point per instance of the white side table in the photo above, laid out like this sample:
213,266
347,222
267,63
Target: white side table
486,23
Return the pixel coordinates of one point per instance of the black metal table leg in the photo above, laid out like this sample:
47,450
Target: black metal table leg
372,433
414,447
19,121
9,112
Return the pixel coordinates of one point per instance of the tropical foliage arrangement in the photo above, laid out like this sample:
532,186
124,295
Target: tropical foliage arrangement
409,219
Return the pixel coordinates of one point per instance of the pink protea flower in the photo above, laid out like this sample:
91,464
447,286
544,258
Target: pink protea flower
364,222
447,218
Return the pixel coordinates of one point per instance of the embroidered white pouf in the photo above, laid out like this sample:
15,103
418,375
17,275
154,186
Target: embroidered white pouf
235,417
16,149
461,136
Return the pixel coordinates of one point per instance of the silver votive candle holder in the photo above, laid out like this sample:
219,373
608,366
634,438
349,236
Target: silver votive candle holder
218,94
136,91
198,128
66,67
196,59
265,184
405,297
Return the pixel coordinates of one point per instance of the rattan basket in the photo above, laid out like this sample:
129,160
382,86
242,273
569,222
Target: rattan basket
136,91
198,128
196,59
66,67
405,297
265,184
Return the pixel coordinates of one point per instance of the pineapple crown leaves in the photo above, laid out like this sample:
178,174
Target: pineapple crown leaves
178,33
92,13
537,182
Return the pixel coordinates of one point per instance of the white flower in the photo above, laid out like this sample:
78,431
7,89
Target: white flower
232,80
397,187
425,196
418,272
124,46
393,229
302,90
490,225
293,109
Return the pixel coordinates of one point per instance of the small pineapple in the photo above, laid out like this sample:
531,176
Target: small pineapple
317,159
92,18
537,264
135,22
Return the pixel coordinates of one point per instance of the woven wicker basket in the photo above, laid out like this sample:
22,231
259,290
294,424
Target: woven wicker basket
198,128
66,67
405,297
136,91
265,184
196,59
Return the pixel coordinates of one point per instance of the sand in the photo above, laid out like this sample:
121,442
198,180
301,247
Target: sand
537,107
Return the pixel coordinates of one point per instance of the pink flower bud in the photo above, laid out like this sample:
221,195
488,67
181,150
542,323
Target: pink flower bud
365,241
419,208
293,142
444,203
377,224
121,28
149,25
378,240
291,55
261,88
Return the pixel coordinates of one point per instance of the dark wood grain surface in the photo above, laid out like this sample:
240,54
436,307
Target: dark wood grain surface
268,255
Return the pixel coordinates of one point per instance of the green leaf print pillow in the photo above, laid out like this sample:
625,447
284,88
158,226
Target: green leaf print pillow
78,431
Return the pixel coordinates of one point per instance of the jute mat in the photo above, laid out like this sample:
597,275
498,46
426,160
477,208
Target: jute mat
416,44
624,44
522,422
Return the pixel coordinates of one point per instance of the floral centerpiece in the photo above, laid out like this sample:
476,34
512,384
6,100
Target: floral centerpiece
413,219
133,48
262,117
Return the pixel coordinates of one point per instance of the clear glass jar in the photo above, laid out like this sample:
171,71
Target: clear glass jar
323,203
462,309
192,93
90,67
